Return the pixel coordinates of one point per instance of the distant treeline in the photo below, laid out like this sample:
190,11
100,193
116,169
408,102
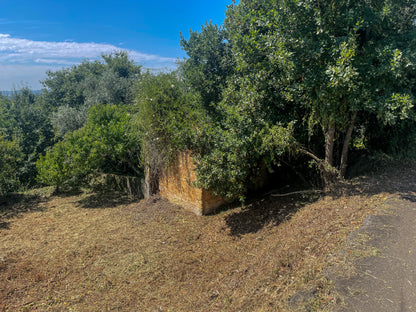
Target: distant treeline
10,93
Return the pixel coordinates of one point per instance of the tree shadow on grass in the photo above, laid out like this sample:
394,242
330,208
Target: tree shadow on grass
15,204
398,179
269,211
4,225
74,191
105,200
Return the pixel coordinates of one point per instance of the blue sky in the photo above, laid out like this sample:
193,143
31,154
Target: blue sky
39,35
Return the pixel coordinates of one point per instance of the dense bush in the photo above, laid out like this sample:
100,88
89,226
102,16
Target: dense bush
106,144
23,117
70,92
38,121
168,116
313,76
10,158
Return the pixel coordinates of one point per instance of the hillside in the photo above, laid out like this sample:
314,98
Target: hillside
91,252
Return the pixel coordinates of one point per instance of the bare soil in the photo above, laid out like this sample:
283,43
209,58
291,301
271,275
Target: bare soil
92,252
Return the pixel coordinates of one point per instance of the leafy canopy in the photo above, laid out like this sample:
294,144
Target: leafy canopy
306,75
209,63
70,92
167,115
25,120
106,144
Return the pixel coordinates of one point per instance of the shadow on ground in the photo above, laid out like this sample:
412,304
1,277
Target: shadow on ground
15,204
398,179
105,200
67,193
269,211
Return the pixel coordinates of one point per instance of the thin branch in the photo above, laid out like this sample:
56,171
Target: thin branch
303,151
298,192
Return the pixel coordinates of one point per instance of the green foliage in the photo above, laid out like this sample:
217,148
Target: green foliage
106,144
307,76
28,121
37,121
236,153
236,161
280,77
55,168
209,63
167,115
66,87
67,119
70,92
115,84
5,120
319,63
10,157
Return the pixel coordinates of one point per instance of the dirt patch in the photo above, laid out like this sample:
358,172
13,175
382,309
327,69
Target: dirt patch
270,255
384,279
377,268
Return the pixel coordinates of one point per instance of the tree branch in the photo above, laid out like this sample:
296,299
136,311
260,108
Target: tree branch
298,192
313,156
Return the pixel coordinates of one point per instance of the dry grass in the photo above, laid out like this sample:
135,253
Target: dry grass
88,253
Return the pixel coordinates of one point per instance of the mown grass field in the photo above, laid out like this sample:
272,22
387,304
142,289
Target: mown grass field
92,252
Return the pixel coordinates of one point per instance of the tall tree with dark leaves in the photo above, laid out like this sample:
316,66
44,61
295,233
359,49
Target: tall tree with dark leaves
327,65
29,123
209,63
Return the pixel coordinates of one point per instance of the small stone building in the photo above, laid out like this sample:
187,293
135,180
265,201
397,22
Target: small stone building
176,185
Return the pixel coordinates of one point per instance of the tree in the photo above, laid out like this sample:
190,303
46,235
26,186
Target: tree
70,92
115,85
106,144
306,75
10,157
328,64
209,63
67,119
66,87
28,122
5,120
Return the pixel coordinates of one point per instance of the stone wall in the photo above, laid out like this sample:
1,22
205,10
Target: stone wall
176,185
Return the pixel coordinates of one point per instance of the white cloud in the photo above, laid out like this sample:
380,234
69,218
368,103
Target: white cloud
20,56
54,61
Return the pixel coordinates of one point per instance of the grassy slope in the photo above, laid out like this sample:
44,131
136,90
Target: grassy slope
89,253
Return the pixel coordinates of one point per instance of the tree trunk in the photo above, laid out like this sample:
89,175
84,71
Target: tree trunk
329,144
330,175
151,182
344,154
